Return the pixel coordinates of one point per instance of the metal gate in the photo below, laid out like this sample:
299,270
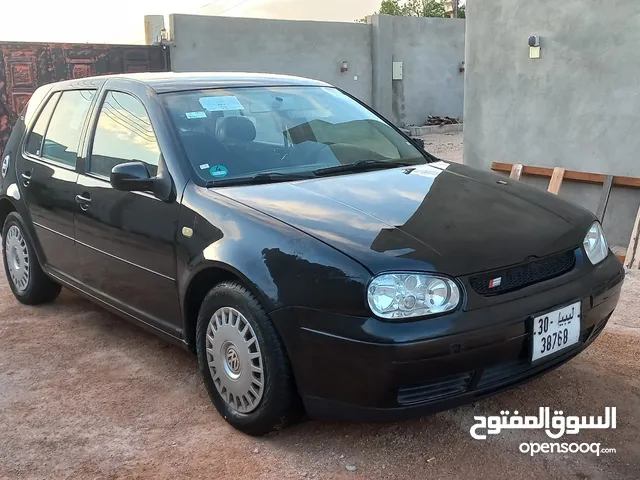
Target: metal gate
26,66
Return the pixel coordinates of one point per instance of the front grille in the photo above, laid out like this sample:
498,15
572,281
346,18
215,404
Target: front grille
504,372
435,389
520,368
520,276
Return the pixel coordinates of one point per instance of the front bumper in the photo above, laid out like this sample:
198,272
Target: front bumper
354,368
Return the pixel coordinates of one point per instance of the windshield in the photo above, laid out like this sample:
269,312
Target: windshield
244,132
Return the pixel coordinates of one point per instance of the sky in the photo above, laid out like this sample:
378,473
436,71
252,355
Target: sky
122,21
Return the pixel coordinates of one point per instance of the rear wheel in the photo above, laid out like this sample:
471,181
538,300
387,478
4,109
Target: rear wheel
28,282
243,362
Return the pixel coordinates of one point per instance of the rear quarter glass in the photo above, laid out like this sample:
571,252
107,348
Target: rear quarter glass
35,104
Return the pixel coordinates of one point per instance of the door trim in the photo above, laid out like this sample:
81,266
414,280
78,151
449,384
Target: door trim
125,261
36,224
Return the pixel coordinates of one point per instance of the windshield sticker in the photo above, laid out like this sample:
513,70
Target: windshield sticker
218,171
220,104
192,115
204,166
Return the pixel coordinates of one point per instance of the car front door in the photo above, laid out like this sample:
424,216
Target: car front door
47,176
125,241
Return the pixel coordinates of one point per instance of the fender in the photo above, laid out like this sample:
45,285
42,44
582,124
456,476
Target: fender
284,267
10,190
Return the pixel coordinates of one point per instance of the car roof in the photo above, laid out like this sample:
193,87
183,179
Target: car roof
163,82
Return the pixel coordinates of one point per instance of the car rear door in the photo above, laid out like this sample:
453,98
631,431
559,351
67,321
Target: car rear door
46,173
125,241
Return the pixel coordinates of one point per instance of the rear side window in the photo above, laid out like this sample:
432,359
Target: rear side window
123,134
63,135
34,141
34,102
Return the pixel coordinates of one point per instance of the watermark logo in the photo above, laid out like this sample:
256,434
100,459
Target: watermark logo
555,426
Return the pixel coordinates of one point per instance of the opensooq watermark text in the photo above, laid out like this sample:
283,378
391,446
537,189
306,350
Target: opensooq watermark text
555,426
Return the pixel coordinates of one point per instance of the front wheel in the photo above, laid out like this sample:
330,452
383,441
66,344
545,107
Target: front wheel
243,362
28,282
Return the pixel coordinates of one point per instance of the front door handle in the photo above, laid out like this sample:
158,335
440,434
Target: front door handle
84,201
26,178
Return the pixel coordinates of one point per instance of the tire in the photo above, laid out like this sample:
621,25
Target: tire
34,287
225,310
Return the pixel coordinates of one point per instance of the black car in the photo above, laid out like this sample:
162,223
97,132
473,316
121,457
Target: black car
314,257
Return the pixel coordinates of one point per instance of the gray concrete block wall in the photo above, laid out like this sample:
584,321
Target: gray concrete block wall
382,58
309,49
577,106
431,50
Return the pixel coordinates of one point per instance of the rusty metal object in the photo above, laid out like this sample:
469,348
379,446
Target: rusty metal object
26,66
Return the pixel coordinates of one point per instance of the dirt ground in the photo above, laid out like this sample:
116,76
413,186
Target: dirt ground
447,146
84,394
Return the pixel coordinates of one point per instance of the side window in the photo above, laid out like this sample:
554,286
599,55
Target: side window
34,142
35,101
63,135
123,134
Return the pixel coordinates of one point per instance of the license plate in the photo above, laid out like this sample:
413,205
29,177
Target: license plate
555,331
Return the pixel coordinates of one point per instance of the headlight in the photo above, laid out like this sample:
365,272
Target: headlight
404,295
595,244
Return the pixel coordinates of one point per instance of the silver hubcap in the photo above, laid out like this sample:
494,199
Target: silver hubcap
235,361
17,258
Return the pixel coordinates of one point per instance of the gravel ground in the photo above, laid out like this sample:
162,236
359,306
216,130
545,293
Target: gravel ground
447,146
84,394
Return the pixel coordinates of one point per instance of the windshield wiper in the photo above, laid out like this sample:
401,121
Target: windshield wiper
366,165
271,177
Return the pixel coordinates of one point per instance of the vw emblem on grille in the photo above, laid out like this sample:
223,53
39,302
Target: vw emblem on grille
233,360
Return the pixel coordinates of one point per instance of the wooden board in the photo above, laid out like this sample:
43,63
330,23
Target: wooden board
556,180
631,260
516,171
604,198
583,177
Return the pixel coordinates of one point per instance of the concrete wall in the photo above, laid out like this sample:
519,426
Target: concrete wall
431,50
303,48
577,106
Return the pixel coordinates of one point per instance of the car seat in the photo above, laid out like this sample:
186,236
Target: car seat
236,134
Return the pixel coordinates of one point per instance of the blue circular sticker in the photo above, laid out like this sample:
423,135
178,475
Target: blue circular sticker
218,171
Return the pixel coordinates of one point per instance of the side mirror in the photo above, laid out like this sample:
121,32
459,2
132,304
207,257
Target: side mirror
132,177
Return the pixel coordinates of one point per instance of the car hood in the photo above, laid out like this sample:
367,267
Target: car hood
440,217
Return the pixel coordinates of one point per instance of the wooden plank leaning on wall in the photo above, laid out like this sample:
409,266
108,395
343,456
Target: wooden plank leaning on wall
559,174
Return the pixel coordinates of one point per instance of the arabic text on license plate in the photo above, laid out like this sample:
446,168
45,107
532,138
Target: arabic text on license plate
555,331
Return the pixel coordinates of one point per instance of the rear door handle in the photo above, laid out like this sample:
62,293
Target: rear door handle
26,178
84,200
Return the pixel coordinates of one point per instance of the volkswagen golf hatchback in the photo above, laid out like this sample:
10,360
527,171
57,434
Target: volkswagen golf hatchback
312,256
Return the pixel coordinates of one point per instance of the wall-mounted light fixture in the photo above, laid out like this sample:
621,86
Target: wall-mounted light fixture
534,46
